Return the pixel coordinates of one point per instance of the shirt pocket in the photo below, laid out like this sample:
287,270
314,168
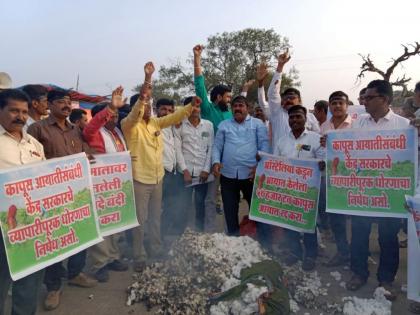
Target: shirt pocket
77,145
251,134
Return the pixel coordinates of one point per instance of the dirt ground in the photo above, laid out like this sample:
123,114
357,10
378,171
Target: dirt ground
110,298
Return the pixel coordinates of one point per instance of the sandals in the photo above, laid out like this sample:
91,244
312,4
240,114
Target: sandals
355,283
414,307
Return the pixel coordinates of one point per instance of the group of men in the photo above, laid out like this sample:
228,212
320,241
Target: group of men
206,145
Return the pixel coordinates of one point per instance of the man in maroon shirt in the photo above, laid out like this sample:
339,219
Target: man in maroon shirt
102,135
61,138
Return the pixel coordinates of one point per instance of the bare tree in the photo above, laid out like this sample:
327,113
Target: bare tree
368,66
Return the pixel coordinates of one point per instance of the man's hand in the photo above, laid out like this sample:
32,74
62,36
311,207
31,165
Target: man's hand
247,85
282,60
204,176
197,50
187,177
321,165
217,167
149,68
117,100
252,173
262,73
323,141
196,101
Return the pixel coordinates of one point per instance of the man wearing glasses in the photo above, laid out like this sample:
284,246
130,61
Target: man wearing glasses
378,98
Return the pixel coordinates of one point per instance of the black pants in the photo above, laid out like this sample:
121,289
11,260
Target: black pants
173,217
53,273
388,243
24,291
323,221
231,193
200,192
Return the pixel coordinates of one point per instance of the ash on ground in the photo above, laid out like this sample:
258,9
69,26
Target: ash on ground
199,265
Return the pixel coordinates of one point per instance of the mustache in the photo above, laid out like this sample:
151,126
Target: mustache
18,121
66,108
237,112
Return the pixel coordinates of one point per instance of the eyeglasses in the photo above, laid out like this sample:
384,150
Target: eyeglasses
370,97
288,97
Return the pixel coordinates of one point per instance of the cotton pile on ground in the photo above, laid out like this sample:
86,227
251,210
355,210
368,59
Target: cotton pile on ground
379,305
308,290
199,265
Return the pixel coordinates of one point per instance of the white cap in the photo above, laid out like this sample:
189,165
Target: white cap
5,81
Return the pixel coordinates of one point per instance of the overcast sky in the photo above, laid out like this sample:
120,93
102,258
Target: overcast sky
107,42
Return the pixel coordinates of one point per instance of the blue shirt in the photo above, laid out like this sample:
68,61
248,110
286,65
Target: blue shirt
236,146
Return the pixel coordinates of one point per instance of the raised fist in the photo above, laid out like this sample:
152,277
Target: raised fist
149,68
197,50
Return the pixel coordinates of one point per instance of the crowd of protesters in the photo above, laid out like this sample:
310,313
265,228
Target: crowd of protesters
204,148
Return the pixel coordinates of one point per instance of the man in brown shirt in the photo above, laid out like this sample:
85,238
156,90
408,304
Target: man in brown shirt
60,138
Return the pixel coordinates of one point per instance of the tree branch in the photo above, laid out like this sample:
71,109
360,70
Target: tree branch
407,54
368,66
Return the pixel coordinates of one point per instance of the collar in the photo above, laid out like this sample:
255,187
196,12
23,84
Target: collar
189,123
248,117
25,135
386,117
304,133
347,121
30,120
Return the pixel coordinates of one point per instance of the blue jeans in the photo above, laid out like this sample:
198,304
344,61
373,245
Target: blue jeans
53,273
388,243
310,244
24,291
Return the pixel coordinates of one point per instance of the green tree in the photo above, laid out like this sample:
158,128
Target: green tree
229,58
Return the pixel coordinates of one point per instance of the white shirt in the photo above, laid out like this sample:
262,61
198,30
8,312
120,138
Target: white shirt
279,117
13,152
389,121
169,149
196,146
290,147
